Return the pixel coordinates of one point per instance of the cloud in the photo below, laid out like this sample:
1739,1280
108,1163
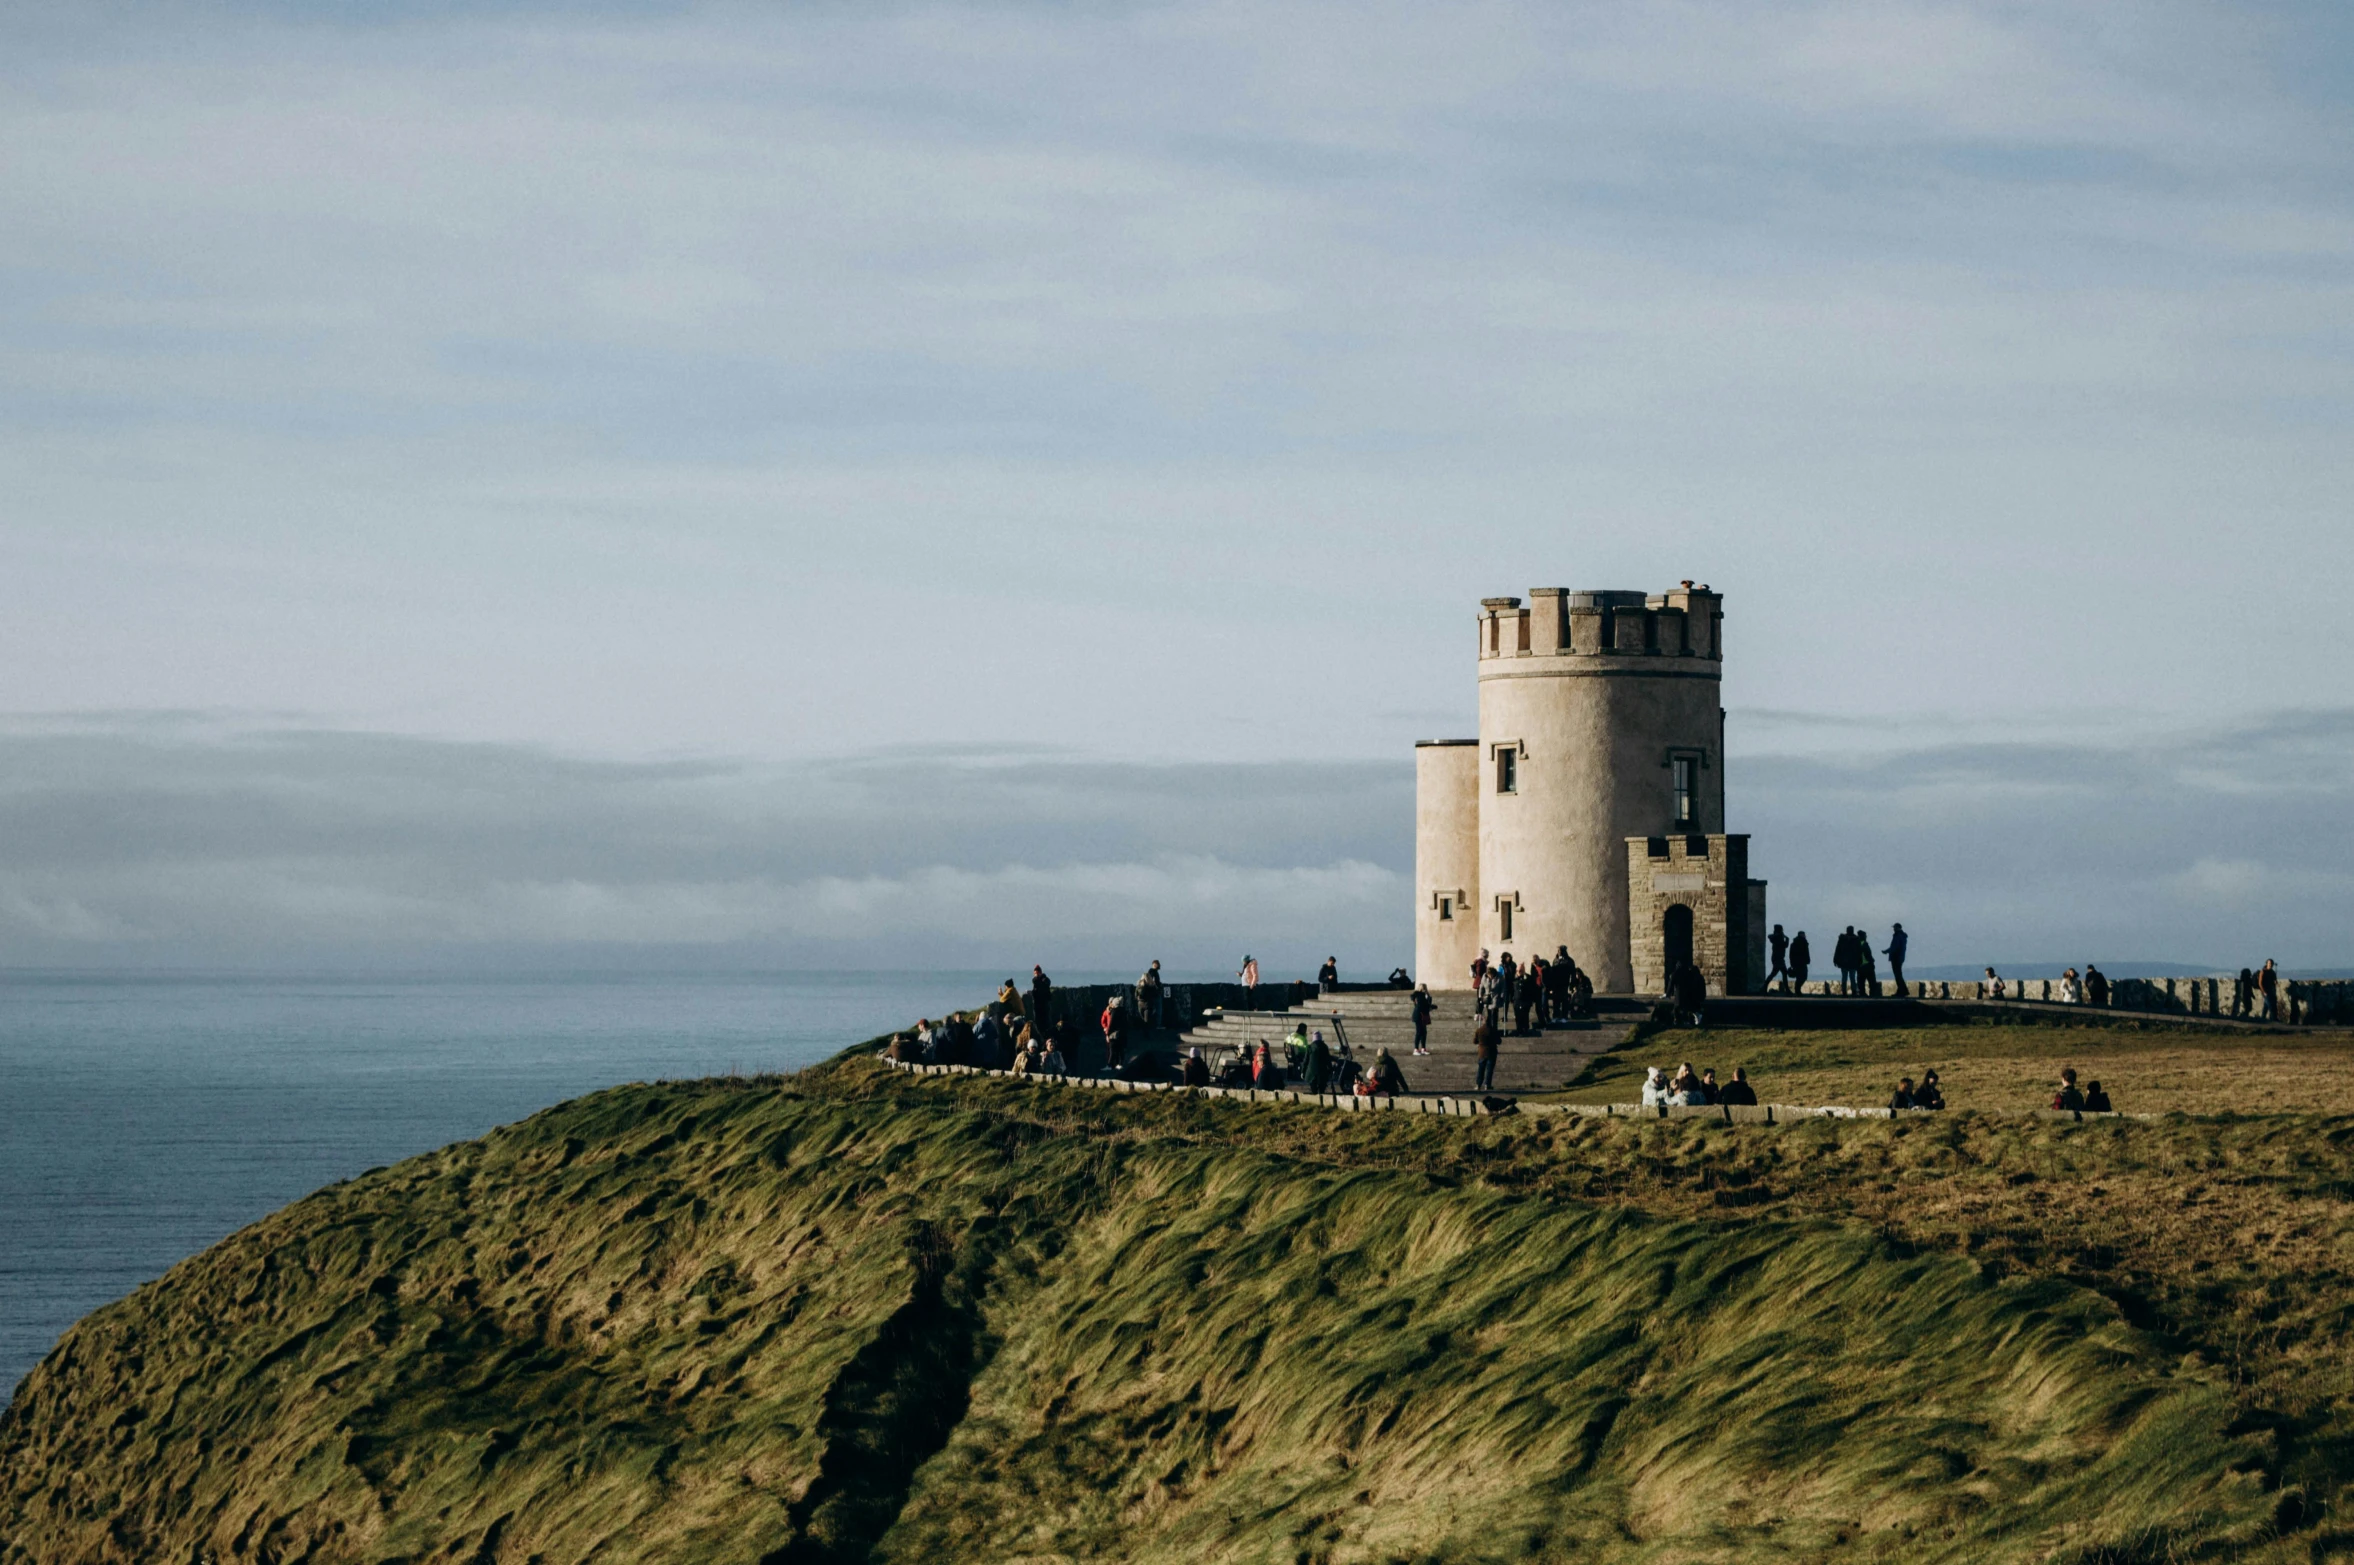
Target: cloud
2195,845
792,379
195,840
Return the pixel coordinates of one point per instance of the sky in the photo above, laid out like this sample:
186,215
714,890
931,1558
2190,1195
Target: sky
896,485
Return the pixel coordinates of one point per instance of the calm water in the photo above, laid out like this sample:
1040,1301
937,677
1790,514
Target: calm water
143,1119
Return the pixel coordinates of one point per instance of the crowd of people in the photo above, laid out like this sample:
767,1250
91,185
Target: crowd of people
2090,987
1530,996
1025,1031
1791,957
1687,1089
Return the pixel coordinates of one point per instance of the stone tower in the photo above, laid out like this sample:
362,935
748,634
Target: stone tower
1599,720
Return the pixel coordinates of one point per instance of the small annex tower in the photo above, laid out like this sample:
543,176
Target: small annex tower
1590,811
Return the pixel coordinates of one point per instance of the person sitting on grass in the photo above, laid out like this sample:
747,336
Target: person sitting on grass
1387,1078
1710,1092
1902,1098
1655,1091
2095,1100
1684,1092
1738,1091
1926,1095
1054,1064
2068,1099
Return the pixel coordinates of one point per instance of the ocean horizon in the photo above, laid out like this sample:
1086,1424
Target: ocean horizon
145,1116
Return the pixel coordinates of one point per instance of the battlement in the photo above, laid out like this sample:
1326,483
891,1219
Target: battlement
1555,622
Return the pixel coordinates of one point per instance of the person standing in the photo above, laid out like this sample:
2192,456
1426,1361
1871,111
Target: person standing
1843,958
2268,986
1250,982
1779,944
2096,986
1483,1041
1115,1036
1524,1000
1424,1008
1897,941
1867,971
1148,995
1041,997
1800,958
1316,1075
1690,988
1328,976
1479,969
2243,993
1558,975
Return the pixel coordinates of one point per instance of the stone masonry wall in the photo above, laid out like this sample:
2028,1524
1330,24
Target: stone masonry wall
1708,874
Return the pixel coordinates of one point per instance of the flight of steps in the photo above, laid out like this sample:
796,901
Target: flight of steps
1373,1020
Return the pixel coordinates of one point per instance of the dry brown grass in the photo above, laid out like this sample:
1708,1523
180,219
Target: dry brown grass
2157,1071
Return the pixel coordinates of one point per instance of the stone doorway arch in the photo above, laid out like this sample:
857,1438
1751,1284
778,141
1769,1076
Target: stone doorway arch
1675,938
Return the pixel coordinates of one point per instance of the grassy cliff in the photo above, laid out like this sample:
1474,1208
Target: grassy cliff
862,1316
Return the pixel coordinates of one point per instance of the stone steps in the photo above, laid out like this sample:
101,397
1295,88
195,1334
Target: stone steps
1372,1021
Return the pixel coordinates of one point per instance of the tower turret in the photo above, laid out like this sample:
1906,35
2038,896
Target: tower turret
1599,719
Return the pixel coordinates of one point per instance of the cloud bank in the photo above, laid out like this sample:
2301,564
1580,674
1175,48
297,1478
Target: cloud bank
178,841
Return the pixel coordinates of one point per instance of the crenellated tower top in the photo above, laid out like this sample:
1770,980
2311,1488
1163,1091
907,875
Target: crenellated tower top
1685,622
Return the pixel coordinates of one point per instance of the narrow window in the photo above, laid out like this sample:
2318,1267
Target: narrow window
1507,770
1446,909
1687,792
1504,911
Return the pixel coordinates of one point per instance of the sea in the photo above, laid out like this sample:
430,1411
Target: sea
143,1118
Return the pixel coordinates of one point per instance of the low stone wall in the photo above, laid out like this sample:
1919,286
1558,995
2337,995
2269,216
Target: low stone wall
1182,1005
1408,1104
2303,1001
1726,1113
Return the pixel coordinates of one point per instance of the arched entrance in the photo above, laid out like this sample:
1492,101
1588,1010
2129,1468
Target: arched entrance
1675,931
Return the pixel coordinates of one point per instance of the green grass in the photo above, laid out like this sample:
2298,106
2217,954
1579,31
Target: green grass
2148,1067
864,1315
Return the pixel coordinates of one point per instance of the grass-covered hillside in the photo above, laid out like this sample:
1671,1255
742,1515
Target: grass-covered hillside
861,1315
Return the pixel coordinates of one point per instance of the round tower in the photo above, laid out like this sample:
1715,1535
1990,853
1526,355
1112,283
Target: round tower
1600,719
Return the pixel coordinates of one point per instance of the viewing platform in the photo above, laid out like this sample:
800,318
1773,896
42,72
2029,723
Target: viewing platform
1371,1020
